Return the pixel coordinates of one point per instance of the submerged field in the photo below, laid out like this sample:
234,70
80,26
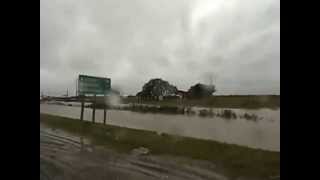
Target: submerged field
236,161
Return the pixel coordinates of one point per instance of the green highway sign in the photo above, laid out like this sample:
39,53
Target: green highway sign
93,85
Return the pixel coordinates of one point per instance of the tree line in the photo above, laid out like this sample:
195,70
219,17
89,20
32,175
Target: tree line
158,88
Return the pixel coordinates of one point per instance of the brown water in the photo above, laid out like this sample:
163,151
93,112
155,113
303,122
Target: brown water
262,134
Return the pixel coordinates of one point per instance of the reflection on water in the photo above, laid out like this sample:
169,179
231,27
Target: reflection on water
264,134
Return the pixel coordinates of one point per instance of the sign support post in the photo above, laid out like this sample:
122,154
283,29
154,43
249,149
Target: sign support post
104,109
94,108
82,108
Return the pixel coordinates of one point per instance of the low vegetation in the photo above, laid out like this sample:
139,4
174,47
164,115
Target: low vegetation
252,117
237,101
155,109
237,161
226,113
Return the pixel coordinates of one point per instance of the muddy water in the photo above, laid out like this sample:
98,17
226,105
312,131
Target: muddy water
262,134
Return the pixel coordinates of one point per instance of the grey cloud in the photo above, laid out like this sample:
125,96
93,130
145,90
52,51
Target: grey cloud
133,41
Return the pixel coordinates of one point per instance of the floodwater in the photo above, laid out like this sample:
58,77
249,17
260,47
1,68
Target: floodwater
261,134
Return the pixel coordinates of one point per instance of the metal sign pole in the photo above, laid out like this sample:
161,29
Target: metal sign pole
94,108
82,108
104,110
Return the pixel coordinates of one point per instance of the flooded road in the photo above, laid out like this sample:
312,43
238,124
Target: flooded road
262,134
64,156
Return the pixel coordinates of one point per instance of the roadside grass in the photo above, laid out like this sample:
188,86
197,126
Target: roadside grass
236,161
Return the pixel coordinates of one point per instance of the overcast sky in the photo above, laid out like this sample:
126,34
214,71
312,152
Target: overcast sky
236,42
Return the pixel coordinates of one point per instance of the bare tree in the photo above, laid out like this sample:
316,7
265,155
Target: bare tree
210,77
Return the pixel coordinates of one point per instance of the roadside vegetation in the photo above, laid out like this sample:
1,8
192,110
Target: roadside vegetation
237,101
234,160
204,112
